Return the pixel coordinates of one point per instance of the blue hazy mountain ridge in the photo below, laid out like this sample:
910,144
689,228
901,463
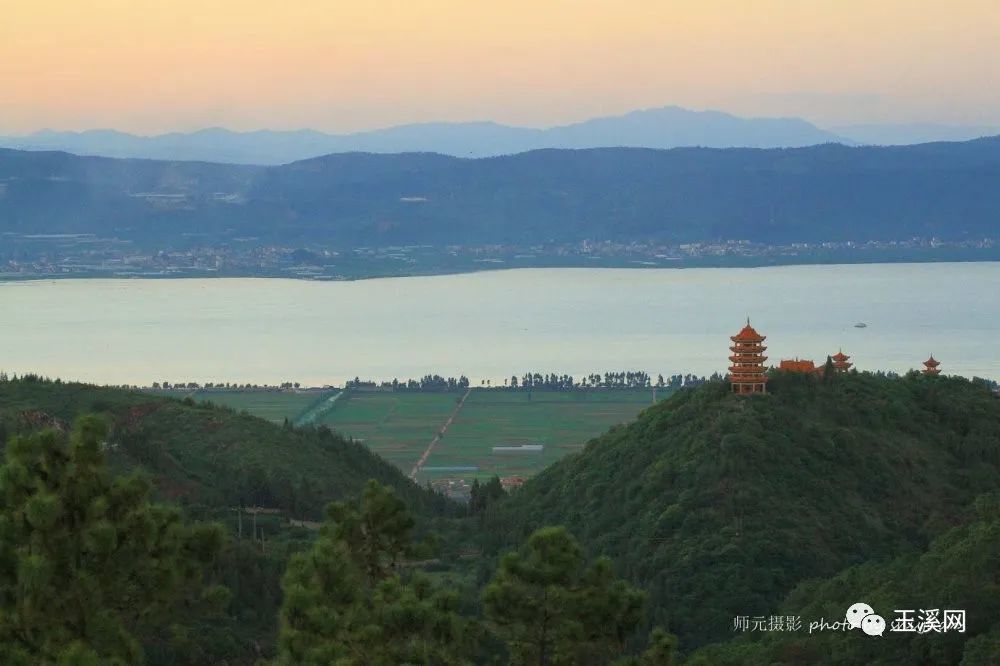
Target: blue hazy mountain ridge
813,194
911,133
667,127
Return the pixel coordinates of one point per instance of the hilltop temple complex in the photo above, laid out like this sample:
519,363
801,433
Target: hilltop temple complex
748,375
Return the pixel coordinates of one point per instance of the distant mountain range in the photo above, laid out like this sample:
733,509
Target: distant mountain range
661,128
667,127
911,133
814,194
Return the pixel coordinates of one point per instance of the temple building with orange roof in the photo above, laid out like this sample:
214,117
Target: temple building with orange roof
931,367
839,361
746,374
803,366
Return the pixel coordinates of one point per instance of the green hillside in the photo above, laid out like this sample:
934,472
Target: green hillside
960,570
210,459
214,456
720,505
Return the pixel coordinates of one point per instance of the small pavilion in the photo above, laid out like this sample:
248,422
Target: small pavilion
840,362
931,367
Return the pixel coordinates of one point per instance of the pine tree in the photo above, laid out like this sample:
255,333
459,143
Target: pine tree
346,602
86,562
376,530
661,651
552,609
829,370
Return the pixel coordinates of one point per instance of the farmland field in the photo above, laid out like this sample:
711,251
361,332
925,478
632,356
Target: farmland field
270,405
562,422
399,426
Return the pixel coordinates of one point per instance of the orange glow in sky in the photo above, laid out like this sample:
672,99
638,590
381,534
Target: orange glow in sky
341,65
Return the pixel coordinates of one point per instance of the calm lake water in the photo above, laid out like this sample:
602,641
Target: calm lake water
493,324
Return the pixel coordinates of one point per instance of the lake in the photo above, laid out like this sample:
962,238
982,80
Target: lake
490,325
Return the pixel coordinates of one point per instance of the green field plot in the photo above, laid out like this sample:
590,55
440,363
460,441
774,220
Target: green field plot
561,421
397,426
270,405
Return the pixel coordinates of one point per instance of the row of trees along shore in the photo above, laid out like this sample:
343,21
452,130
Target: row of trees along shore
180,386
93,572
536,380
433,382
527,381
283,386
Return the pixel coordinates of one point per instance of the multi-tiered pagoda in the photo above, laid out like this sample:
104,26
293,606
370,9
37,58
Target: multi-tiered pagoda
840,362
746,374
931,367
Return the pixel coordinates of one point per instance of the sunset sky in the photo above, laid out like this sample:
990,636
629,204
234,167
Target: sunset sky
346,65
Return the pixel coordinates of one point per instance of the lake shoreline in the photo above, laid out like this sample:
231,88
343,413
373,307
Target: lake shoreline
985,256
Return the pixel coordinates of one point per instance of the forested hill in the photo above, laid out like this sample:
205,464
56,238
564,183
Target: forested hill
199,454
720,505
819,193
959,570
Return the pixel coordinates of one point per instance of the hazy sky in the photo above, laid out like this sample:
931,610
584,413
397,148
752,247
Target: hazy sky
344,65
